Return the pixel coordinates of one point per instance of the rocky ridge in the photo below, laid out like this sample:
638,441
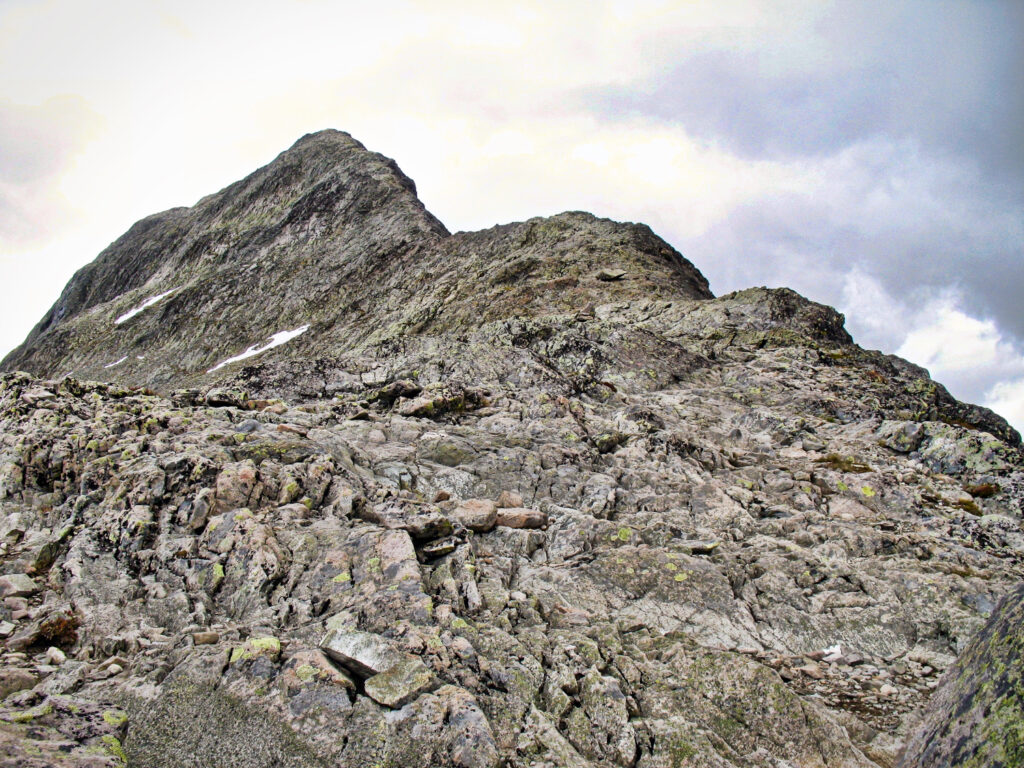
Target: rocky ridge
529,496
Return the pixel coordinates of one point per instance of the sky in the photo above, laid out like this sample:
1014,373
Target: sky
869,155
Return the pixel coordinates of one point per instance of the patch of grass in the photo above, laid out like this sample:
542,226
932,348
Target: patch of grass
983,490
844,463
967,505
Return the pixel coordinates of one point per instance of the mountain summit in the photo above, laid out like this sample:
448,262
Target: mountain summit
332,238
295,477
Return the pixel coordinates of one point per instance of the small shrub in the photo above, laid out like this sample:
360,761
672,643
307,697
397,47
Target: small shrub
844,463
983,490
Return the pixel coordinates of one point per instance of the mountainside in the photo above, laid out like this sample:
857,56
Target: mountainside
527,496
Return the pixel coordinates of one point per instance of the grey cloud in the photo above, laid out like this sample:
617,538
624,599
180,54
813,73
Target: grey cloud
949,74
811,244
719,96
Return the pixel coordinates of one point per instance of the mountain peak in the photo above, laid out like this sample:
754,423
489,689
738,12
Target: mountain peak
528,495
333,237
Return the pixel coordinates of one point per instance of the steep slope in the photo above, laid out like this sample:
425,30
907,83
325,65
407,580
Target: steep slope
330,238
522,497
977,717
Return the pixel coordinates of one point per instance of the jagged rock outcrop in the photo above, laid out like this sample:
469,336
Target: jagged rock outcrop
976,718
523,497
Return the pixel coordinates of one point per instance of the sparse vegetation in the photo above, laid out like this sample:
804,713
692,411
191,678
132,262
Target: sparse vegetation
844,463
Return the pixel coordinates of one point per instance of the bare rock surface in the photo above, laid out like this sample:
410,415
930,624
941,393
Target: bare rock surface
523,497
976,718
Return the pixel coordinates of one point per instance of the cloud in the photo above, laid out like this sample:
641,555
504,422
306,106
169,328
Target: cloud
912,222
37,142
948,73
1007,399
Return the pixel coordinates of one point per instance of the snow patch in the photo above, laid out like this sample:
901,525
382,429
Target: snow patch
276,340
144,305
116,362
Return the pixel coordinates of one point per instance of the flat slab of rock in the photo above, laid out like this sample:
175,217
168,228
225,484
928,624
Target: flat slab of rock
17,585
422,521
509,499
401,684
476,514
313,666
365,653
521,517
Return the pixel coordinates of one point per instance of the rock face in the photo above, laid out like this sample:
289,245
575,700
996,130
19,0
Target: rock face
976,718
522,497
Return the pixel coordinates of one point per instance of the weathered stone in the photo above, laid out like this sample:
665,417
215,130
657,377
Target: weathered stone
521,517
509,499
476,514
14,679
311,666
235,485
267,646
17,585
400,683
226,396
365,653
976,717
723,488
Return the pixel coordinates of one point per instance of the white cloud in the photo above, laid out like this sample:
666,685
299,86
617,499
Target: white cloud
952,341
1007,399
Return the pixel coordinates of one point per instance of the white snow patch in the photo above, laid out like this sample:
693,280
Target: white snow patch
116,362
144,305
276,340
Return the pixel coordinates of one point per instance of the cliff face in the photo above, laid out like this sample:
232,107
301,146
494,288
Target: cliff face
527,496
977,716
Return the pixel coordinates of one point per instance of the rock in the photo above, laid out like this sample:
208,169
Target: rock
975,716
226,396
400,683
905,436
254,647
520,517
313,666
439,547
13,680
235,485
509,499
609,274
365,653
70,732
422,522
812,670
478,515
17,585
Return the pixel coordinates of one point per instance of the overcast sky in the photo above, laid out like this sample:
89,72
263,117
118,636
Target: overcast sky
868,154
